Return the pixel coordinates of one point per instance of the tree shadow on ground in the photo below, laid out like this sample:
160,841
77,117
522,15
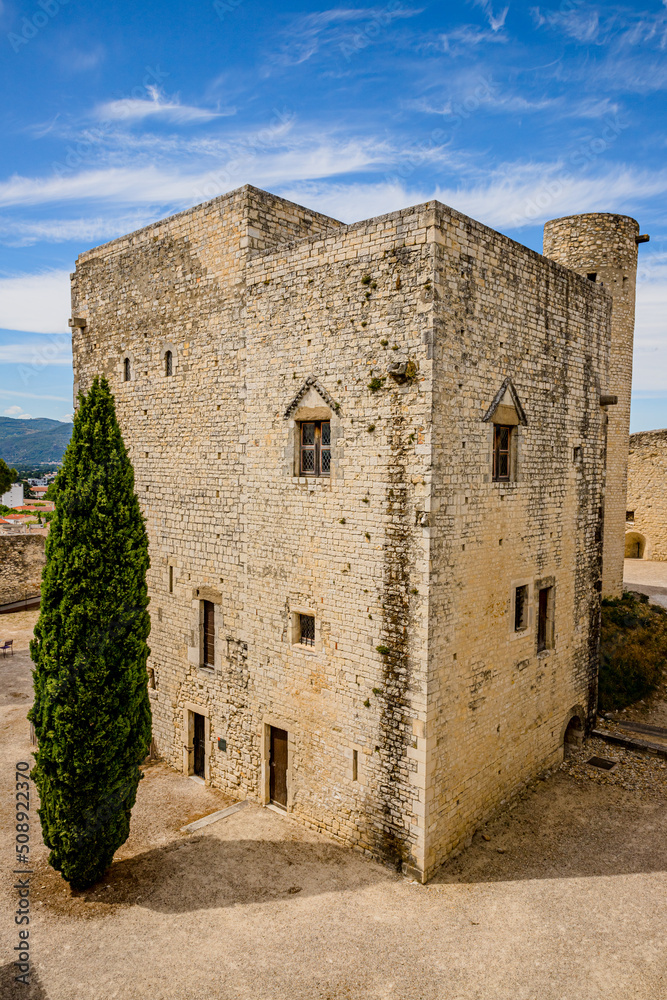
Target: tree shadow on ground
16,680
11,990
566,831
206,872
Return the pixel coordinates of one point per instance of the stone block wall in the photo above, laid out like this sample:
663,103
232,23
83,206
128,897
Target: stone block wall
646,526
497,707
21,564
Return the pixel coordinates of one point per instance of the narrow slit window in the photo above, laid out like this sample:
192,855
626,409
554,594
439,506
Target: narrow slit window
171,579
502,439
315,448
209,634
521,609
355,765
307,630
127,371
545,619
169,363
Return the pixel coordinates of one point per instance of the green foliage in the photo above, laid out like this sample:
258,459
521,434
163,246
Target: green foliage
384,650
366,280
7,477
92,713
376,384
633,650
6,510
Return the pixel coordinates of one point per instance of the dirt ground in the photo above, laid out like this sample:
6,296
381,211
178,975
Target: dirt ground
563,895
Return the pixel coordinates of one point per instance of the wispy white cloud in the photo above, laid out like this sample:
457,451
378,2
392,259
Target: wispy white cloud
650,355
16,411
20,233
458,41
156,105
10,394
152,185
496,21
39,303
33,356
347,29
513,196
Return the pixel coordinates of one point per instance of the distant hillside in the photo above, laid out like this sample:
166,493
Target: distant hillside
38,440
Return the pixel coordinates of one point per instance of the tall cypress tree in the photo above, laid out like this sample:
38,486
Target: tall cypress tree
92,713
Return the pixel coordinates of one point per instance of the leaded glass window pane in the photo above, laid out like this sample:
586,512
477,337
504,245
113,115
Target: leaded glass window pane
501,452
307,433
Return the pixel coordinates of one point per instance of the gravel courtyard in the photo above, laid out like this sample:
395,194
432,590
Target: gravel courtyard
565,895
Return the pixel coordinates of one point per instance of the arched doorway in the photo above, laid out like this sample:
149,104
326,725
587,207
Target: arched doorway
635,545
573,733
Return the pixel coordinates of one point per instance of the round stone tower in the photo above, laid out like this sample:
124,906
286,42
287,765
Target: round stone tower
603,248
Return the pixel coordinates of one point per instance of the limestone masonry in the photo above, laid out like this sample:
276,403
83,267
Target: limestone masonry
21,564
646,524
372,463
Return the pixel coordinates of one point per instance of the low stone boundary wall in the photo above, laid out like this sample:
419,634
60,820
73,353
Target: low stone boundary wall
22,559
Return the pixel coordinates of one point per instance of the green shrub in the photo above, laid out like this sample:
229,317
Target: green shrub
633,650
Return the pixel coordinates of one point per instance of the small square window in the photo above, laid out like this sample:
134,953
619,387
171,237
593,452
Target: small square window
307,630
502,441
315,448
521,609
630,516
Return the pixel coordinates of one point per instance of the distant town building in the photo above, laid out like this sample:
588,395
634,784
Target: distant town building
372,463
13,497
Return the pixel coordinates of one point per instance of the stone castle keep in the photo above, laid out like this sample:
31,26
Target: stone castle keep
372,463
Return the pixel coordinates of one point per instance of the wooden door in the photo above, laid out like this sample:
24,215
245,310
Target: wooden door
198,745
278,767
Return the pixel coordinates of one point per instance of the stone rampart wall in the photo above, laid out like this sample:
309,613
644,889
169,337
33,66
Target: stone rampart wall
646,529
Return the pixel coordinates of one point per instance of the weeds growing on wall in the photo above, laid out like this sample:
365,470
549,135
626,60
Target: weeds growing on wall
633,650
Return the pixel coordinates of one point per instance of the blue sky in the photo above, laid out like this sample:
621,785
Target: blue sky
118,114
